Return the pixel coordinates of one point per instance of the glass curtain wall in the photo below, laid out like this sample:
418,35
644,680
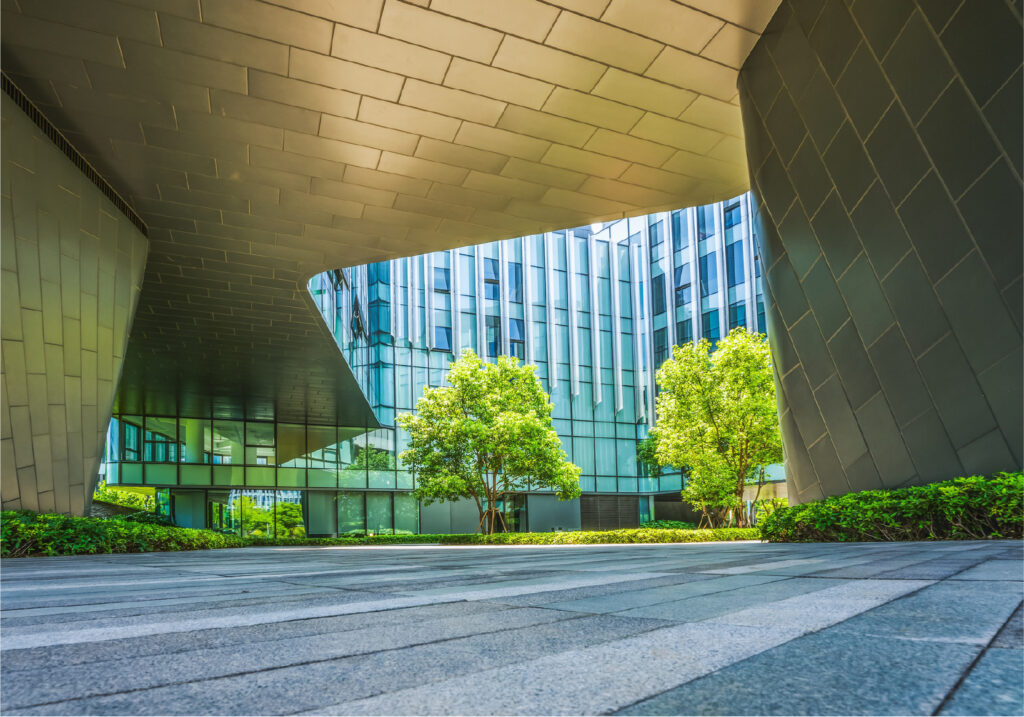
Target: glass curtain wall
596,309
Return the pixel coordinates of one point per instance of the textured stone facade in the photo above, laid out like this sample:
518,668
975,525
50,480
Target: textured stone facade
884,142
72,269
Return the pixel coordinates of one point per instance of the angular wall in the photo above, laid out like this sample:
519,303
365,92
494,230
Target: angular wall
72,267
884,143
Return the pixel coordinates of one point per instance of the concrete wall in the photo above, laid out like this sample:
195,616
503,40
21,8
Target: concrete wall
884,145
72,265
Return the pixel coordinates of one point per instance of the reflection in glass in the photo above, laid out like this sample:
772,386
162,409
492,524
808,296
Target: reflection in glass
259,444
289,514
378,514
351,513
195,437
161,441
406,514
323,513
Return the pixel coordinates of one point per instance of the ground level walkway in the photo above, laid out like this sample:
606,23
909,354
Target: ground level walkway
728,628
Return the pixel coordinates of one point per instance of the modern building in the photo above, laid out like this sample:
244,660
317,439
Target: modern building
546,299
175,172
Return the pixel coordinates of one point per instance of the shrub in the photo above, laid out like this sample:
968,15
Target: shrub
128,499
144,516
23,533
668,524
962,509
573,537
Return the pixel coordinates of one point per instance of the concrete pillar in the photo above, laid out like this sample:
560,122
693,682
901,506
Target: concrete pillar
72,267
888,209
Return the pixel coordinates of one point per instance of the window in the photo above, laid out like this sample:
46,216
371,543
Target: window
684,331
710,325
734,263
679,238
708,274
757,263
762,326
732,215
442,338
705,222
491,288
737,315
660,346
682,283
515,282
517,338
493,324
656,234
441,279
658,294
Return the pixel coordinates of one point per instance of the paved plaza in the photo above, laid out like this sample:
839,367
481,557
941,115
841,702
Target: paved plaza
727,628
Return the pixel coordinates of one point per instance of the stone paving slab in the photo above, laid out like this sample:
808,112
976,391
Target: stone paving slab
724,628
825,673
992,687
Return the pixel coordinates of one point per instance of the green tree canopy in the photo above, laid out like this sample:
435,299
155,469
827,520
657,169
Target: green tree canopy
486,436
717,416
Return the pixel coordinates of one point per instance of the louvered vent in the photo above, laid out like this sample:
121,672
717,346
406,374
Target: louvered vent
55,136
608,512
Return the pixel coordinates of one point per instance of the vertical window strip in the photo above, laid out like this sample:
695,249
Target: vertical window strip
455,262
481,337
393,298
638,330
503,307
428,299
695,290
574,352
666,263
645,253
527,254
748,253
414,299
613,256
549,278
595,320
722,304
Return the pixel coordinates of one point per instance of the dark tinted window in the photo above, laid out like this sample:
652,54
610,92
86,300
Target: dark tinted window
441,279
442,338
734,263
708,274
658,293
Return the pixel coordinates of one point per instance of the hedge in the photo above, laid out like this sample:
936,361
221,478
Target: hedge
576,537
971,508
23,533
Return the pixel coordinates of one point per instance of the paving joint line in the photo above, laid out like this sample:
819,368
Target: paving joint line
773,647
977,658
295,664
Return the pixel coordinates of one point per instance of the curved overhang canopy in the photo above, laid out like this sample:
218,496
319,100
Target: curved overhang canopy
263,142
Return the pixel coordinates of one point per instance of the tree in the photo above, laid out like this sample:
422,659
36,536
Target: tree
647,455
486,436
717,415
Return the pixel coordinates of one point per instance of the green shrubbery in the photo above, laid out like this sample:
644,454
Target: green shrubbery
126,498
574,537
24,533
961,509
668,525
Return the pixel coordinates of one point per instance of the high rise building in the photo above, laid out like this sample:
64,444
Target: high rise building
595,308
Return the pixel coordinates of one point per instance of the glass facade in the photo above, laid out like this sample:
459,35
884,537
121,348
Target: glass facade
591,307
